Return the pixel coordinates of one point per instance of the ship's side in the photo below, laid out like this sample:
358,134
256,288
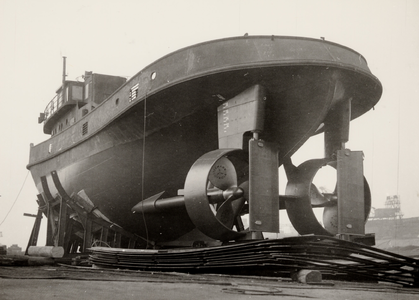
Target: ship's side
144,137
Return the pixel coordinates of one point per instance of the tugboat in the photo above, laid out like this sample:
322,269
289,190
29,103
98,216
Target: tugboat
194,140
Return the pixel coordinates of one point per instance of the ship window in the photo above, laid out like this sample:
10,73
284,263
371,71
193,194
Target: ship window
84,112
153,75
84,128
50,148
117,101
86,91
77,92
66,95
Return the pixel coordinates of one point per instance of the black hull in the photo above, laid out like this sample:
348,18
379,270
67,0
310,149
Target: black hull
181,125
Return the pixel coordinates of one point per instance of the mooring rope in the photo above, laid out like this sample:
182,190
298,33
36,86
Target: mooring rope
143,166
17,197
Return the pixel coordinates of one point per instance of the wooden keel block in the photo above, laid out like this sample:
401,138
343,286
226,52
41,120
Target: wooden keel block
307,276
46,251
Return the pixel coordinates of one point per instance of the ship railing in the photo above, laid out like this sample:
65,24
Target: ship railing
53,106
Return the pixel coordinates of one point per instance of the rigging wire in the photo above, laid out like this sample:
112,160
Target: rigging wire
398,147
17,197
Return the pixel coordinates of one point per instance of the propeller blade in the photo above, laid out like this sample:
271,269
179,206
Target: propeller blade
238,204
225,213
316,197
223,174
231,208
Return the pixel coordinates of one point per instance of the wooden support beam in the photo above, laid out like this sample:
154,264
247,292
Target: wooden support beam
41,202
104,236
131,243
68,235
118,237
89,217
87,236
62,222
51,228
49,213
33,239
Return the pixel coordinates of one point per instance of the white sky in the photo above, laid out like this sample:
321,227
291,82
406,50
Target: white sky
122,37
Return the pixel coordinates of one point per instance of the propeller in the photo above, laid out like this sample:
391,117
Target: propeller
223,174
216,192
303,196
226,196
230,209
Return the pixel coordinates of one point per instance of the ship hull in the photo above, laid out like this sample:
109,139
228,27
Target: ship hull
150,146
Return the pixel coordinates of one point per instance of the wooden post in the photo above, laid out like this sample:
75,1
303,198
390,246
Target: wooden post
49,211
68,235
62,222
87,236
104,236
33,239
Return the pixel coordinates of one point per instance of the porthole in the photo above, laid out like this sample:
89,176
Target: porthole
117,101
153,75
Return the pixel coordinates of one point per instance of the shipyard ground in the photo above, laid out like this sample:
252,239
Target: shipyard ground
66,282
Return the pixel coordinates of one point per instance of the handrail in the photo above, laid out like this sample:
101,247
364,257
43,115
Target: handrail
53,106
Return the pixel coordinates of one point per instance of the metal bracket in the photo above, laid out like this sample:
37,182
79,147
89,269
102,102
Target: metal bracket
263,186
350,188
241,114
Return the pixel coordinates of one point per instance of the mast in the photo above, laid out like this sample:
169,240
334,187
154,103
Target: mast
64,71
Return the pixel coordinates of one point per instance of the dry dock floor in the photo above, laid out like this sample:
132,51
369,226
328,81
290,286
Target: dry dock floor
64,282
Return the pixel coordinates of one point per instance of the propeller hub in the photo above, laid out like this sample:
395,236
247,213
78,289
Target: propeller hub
234,192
